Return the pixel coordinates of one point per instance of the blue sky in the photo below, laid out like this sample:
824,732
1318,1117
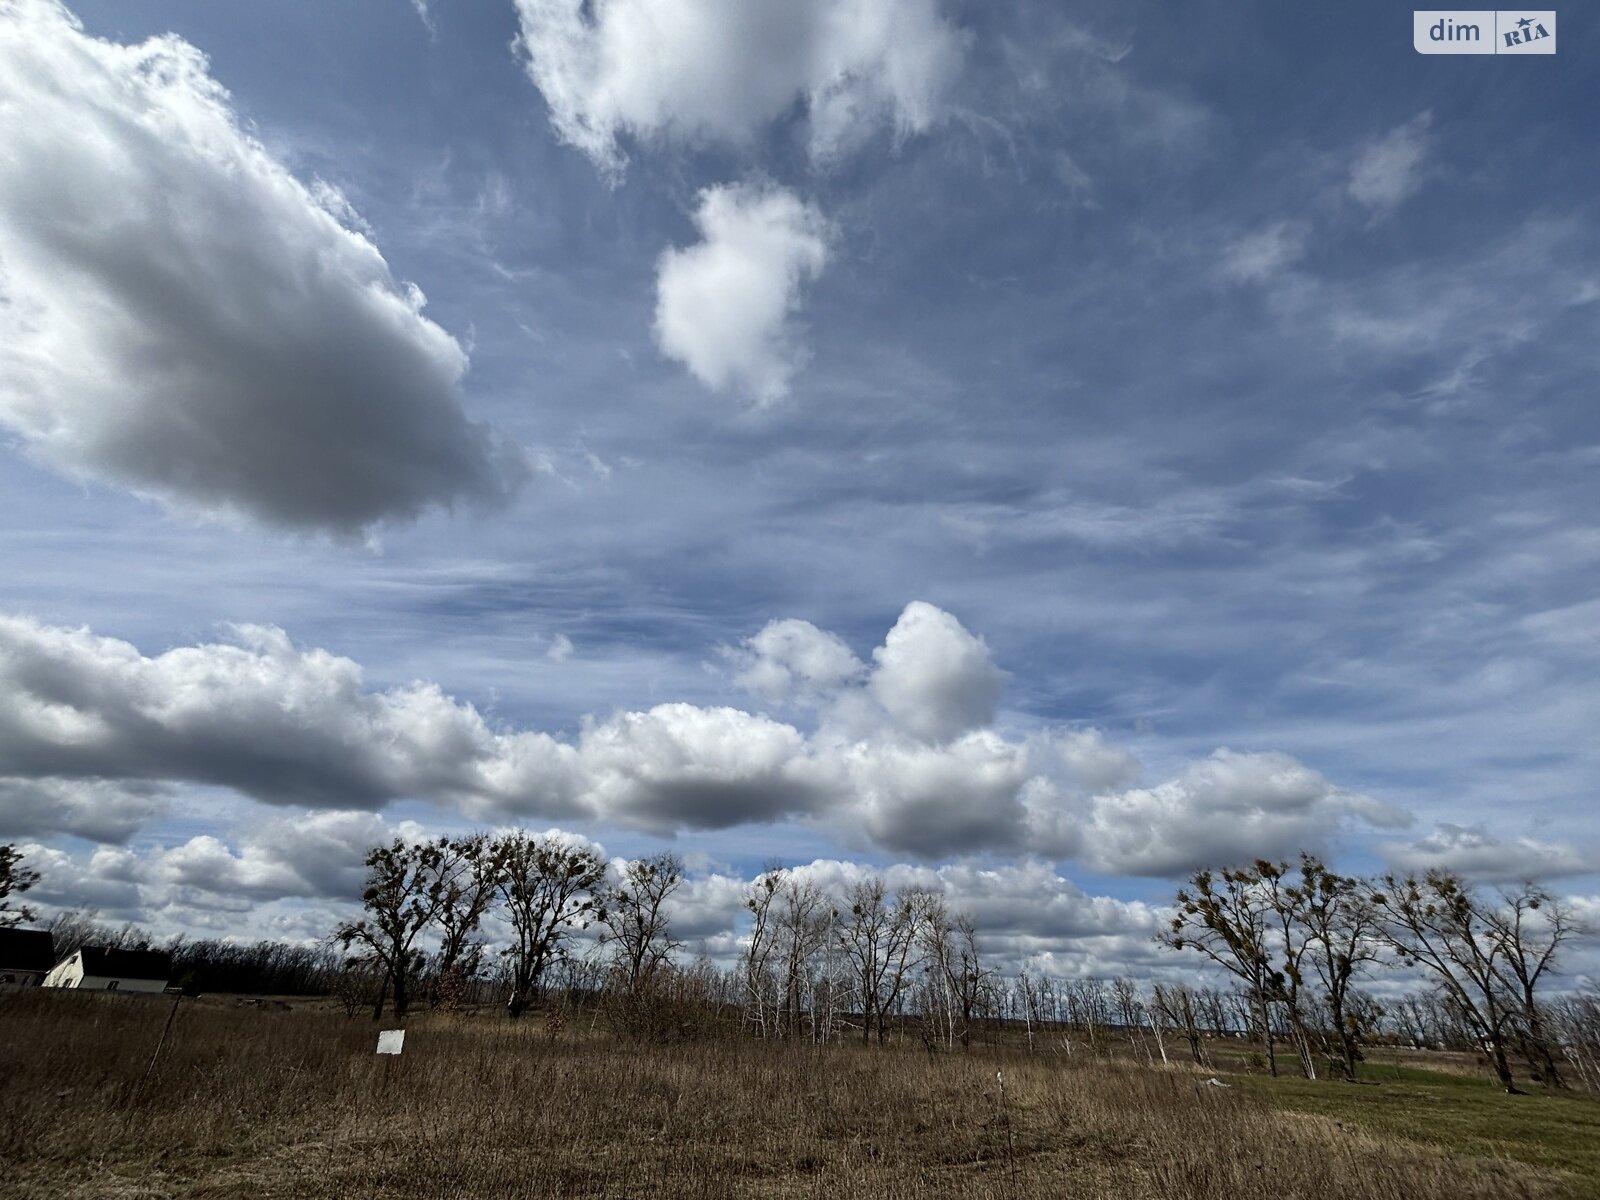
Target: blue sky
1223,379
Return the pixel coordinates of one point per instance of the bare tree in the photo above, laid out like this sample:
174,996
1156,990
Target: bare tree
759,899
1529,929
1027,997
1211,1007
878,935
971,982
1131,1014
1175,1003
830,981
1340,925
1439,925
1225,916
1577,1017
14,880
1089,1010
635,915
469,868
404,896
803,921
1286,901
79,927
940,954
548,887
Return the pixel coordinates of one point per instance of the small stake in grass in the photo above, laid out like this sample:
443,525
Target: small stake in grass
172,1014
1005,1115
160,1042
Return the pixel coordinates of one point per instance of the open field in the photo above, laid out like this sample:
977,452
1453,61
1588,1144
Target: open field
293,1103
1457,1115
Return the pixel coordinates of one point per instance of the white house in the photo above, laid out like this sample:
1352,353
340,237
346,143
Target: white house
104,969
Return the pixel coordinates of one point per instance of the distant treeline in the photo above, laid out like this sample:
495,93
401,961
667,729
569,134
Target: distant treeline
1298,941
262,967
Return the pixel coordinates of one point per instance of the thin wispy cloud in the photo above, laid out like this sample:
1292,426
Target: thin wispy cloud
1392,169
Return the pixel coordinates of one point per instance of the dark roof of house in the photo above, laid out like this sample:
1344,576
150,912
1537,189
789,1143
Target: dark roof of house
126,964
27,950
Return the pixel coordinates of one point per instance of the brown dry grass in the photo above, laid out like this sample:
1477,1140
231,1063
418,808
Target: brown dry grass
295,1104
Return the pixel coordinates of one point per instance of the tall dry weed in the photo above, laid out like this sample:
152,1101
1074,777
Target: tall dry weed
296,1104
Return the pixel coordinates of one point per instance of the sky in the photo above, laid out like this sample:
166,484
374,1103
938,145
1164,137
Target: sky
1033,450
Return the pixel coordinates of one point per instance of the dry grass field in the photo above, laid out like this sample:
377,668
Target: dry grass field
293,1103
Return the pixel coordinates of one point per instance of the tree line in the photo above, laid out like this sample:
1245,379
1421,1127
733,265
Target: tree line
545,889
1302,943
810,960
1299,937
1299,940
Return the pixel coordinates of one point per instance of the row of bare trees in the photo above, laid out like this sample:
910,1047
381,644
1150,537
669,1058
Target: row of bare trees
426,904
813,960
1118,1016
1299,937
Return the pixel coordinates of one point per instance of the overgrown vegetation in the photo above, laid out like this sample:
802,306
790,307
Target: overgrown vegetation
820,967
1297,941
275,1103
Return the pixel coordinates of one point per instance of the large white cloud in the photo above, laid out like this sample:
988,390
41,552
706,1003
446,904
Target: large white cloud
255,714
207,884
181,316
933,677
935,800
699,70
681,765
725,306
1221,810
907,757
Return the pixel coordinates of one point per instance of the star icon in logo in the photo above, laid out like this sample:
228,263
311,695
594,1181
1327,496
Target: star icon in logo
1525,22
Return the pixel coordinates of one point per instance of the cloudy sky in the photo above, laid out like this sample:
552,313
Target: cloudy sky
1039,449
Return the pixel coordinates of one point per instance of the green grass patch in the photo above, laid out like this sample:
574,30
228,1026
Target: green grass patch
1454,1113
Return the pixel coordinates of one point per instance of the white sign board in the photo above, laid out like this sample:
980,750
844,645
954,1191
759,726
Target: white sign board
391,1041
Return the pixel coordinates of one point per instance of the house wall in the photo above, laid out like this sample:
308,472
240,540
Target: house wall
69,974
10,977
65,974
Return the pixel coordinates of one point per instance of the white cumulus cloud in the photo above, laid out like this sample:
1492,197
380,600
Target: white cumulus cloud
181,316
933,677
725,306
793,659
1222,810
1481,856
722,70
908,756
